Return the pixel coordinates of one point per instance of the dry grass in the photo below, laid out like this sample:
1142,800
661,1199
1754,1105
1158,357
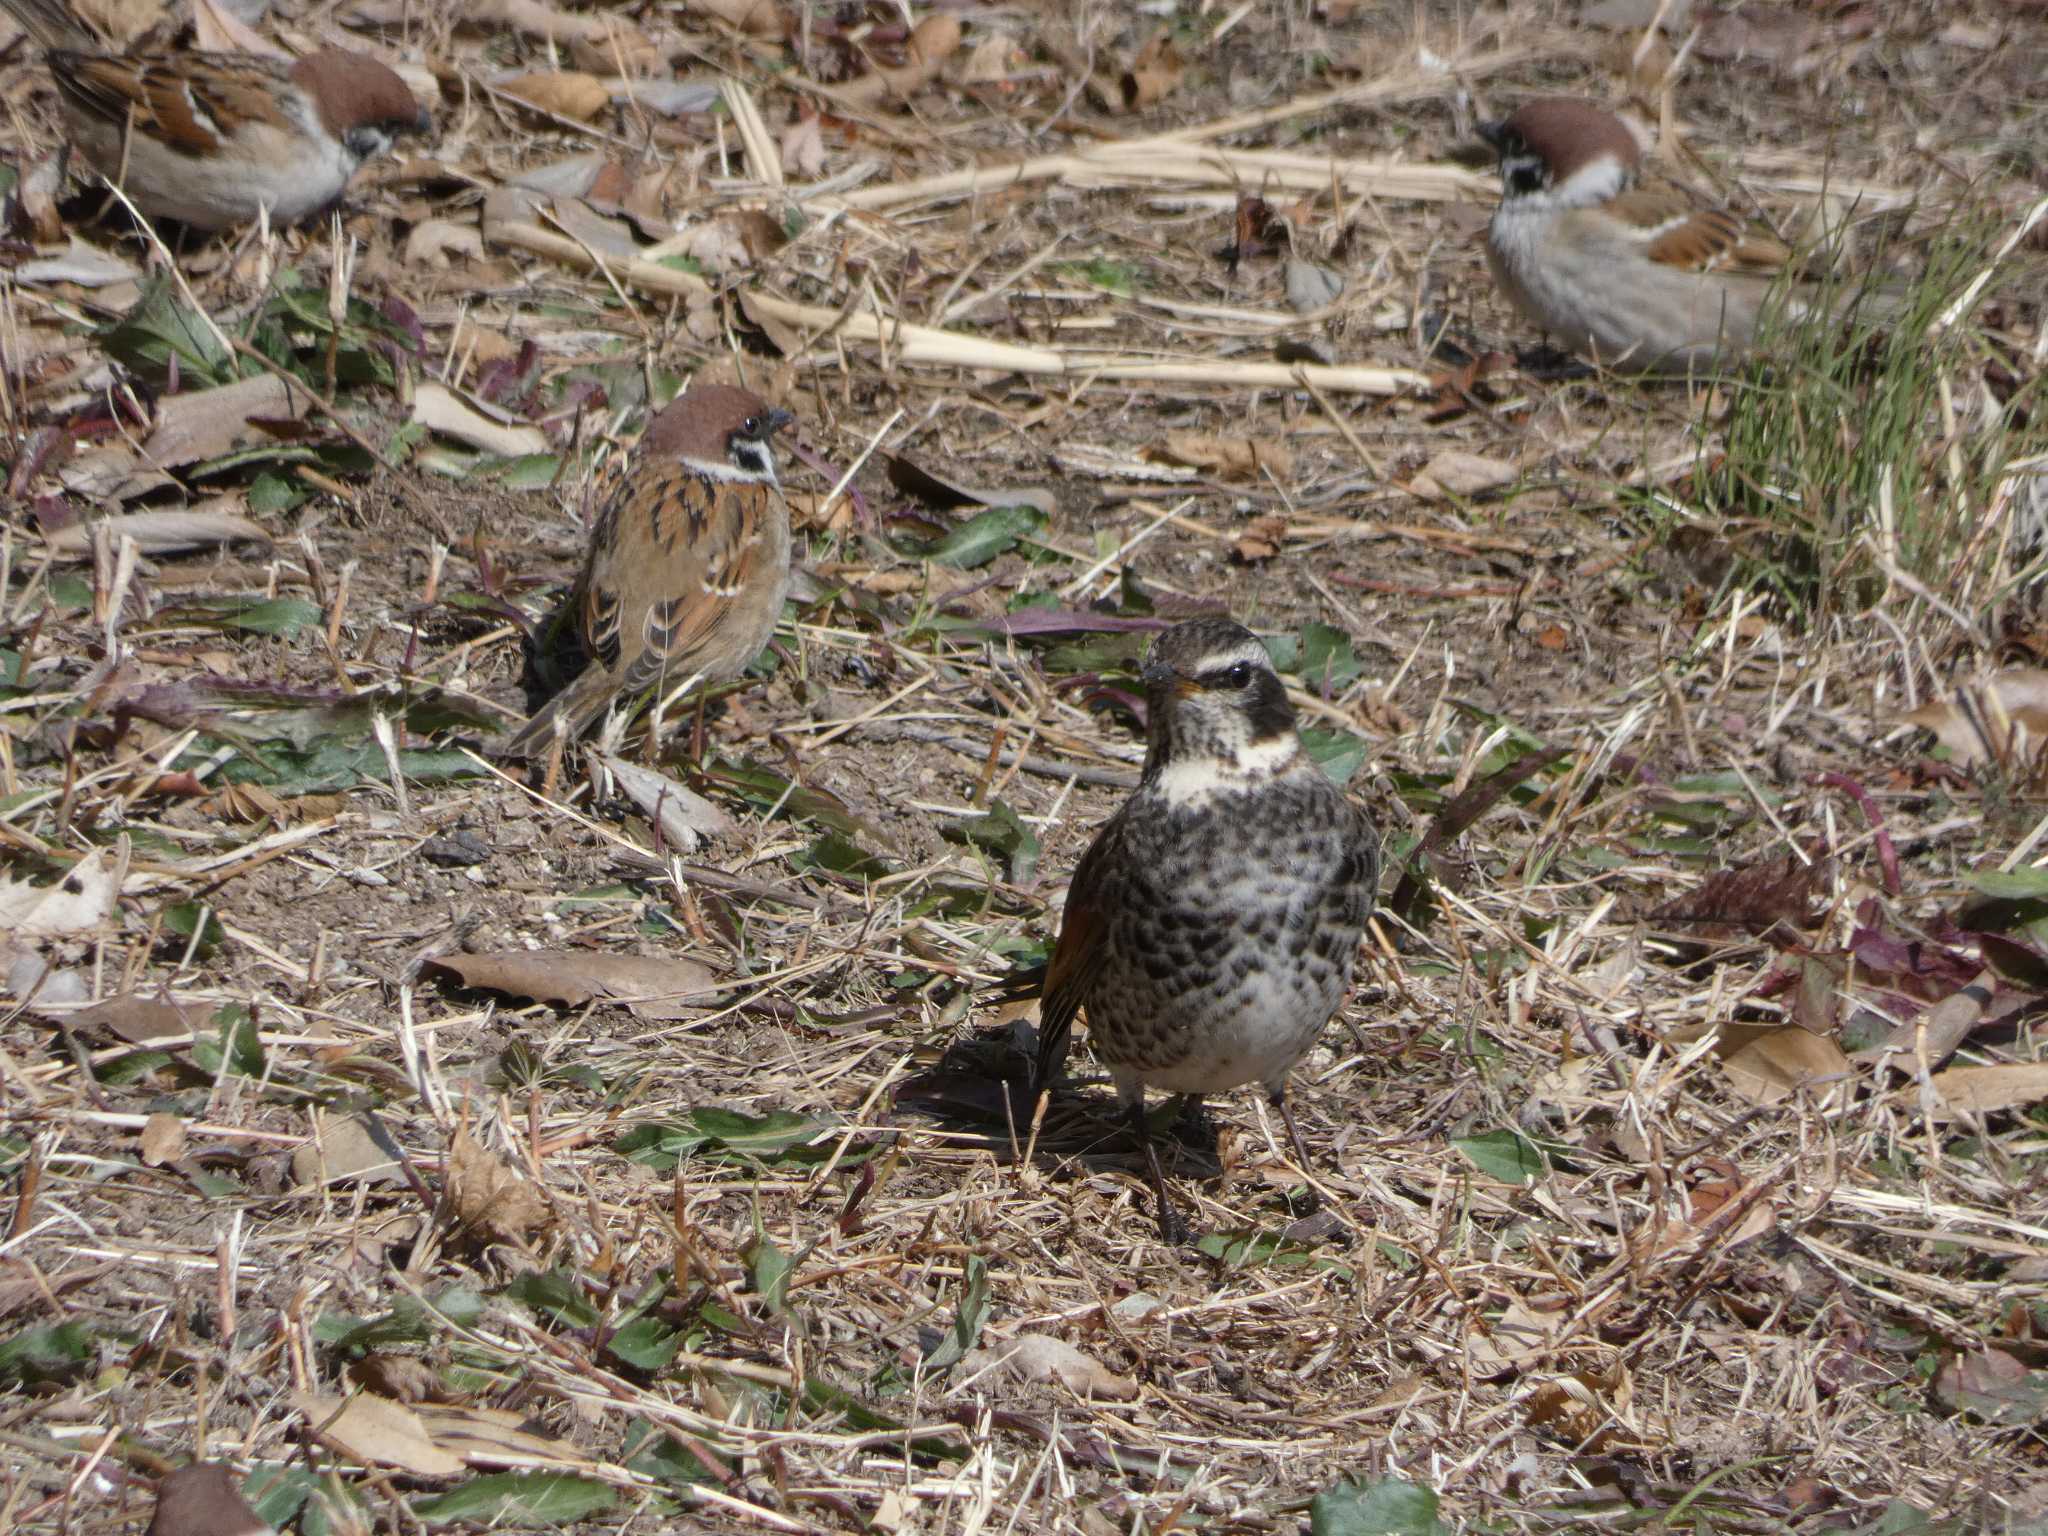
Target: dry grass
1621,1242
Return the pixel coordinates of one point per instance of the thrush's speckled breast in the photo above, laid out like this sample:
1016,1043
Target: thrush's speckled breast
1211,928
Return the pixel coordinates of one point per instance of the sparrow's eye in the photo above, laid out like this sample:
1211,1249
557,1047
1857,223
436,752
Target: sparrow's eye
751,427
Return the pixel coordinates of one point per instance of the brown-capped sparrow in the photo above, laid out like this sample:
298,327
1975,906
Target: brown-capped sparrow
1629,274
212,139
688,562
1211,927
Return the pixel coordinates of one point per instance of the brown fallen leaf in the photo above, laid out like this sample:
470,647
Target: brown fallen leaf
378,1432
1452,472
1764,898
651,986
936,39
1936,1033
162,1139
216,29
122,22
1996,717
1154,75
204,1499
1261,538
1042,1357
491,1199
946,493
756,18
564,93
346,1149
1983,1090
685,818
163,532
1230,457
157,1021
497,1437
1779,1062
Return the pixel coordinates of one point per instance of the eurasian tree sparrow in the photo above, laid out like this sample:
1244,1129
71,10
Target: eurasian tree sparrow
212,139
1211,927
688,562
1636,277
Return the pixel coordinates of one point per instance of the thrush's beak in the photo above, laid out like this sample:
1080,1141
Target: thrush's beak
1156,674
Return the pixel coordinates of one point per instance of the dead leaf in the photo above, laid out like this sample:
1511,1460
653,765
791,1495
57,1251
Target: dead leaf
203,1499
160,533
216,29
1311,287
993,60
757,18
651,986
1261,538
402,1378
1995,1386
87,266
140,1020
565,93
1779,1062
802,148
1041,1357
190,427
620,48
442,410
121,22
433,242
163,1139
1996,717
497,1437
1983,1090
1230,457
1764,898
1154,75
935,490
376,1431
685,818
346,1149
490,1199
1456,473
1934,1035
936,39
77,903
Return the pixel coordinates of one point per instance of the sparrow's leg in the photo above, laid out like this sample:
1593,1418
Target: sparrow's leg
1172,1230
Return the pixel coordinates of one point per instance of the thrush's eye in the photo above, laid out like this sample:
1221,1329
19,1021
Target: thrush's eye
1237,675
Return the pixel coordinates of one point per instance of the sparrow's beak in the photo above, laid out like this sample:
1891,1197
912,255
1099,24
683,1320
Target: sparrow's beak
1492,132
775,420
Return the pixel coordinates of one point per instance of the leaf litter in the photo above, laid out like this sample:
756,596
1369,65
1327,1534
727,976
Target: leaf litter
555,1155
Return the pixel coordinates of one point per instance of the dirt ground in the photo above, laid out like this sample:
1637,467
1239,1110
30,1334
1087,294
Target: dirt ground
342,1145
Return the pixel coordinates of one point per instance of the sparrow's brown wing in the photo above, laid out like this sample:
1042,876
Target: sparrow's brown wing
678,560
190,103
1077,955
1677,232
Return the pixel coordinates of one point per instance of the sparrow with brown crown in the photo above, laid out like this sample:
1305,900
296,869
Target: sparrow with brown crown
688,562
213,140
1631,275
1211,928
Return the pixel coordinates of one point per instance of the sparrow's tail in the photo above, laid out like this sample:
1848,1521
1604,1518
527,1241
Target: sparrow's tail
570,712
54,24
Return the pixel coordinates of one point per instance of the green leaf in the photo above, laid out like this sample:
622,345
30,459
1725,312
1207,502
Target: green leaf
970,1314
1504,1155
1243,1249
279,1493
46,1356
1327,659
238,1048
768,1270
1390,1507
518,1500
555,1295
1338,753
160,327
840,854
781,1135
646,1343
410,1321
653,1452
273,492
984,536
275,616
2028,883
1002,833
187,919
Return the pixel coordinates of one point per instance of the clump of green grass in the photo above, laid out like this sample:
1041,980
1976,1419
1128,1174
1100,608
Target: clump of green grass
1871,445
